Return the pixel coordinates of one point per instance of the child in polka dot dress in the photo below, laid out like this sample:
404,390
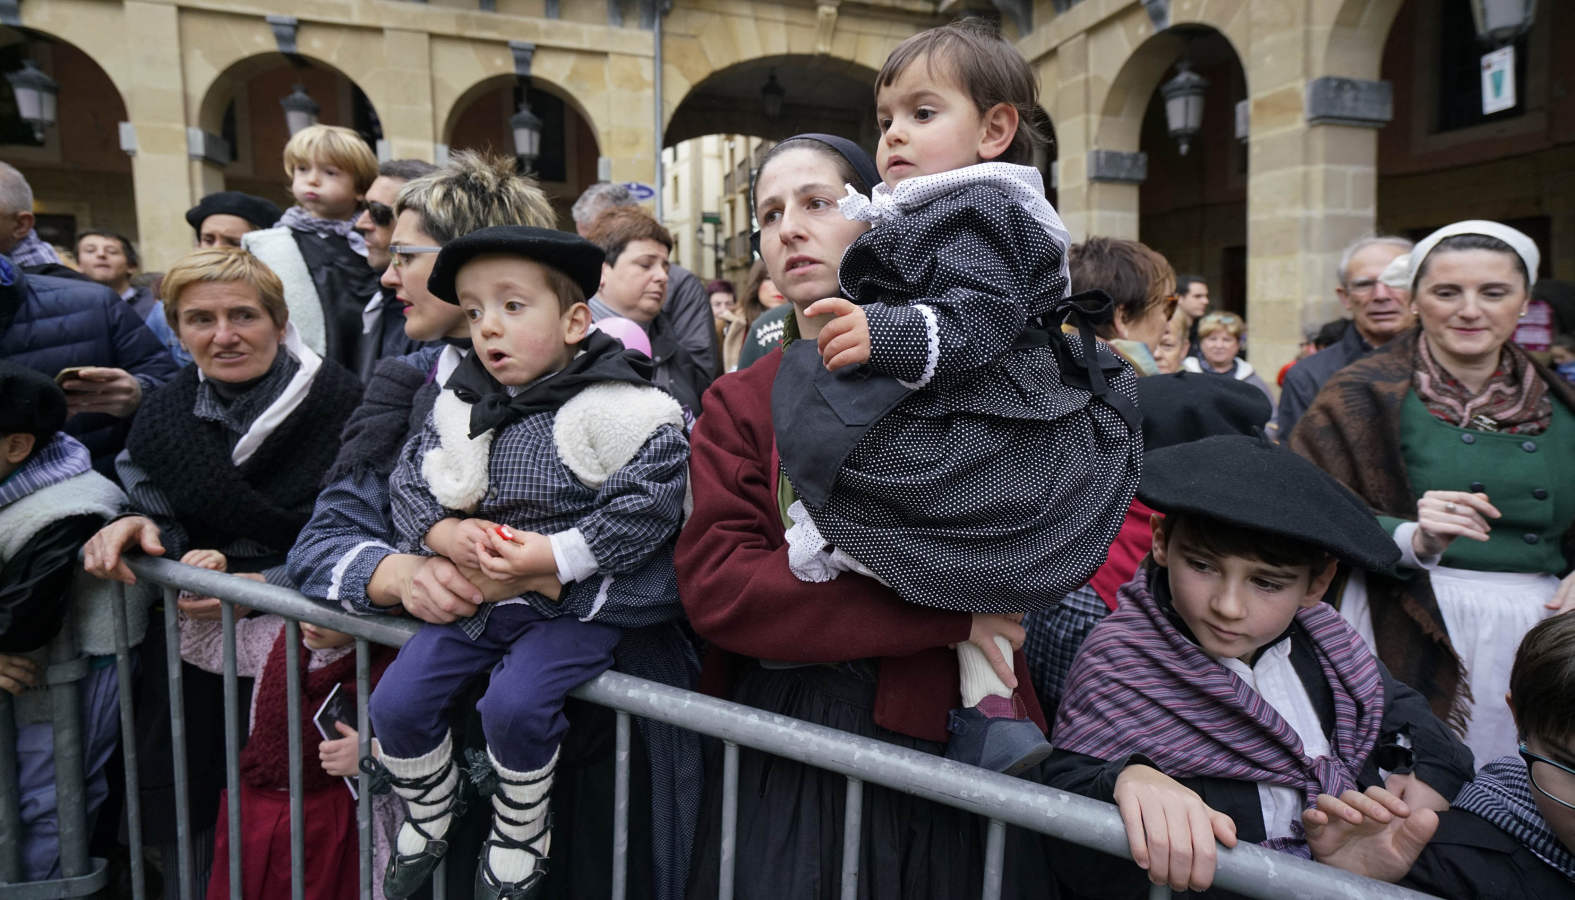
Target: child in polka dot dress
942,435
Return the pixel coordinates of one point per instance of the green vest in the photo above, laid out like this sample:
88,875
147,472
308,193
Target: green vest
1530,479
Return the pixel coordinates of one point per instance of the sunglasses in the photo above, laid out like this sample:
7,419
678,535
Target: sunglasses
382,214
1171,301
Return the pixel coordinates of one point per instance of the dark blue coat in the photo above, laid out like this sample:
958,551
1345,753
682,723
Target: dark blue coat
49,324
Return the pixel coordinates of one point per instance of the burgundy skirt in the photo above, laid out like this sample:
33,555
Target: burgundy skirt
332,871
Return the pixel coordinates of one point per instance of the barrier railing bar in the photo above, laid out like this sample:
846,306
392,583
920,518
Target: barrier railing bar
172,662
363,730
620,857
11,810
292,682
852,838
994,859
1246,869
128,749
729,820
232,746
65,673
1159,892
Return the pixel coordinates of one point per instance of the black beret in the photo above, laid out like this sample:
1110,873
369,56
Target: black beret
1190,406
1253,484
570,254
30,403
255,210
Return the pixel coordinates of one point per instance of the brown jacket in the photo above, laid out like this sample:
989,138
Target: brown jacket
1352,431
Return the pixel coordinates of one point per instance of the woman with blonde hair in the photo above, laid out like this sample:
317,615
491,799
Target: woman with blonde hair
1219,340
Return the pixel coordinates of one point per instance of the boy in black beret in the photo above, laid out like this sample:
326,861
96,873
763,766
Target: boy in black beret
51,502
1224,700
548,462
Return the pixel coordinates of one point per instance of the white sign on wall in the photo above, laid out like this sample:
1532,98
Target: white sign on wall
1498,80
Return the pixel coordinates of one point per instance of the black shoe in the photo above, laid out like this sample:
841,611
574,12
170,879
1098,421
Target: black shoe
996,735
489,888
407,872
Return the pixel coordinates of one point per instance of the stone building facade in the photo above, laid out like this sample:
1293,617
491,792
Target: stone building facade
1323,119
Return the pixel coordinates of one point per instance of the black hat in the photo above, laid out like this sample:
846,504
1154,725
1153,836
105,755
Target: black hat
1190,406
255,210
1252,484
570,254
30,403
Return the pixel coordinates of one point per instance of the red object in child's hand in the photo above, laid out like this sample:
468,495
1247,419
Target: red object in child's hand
504,532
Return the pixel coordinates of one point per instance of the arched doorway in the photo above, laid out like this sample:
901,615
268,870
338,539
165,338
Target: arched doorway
242,107
567,163
81,178
1193,205
812,93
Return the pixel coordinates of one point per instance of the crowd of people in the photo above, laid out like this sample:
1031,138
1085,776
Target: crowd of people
936,475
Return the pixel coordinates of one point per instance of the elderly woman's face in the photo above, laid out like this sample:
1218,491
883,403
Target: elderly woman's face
426,317
227,330
1470,302
1172,344
635,284
802,234
1219,348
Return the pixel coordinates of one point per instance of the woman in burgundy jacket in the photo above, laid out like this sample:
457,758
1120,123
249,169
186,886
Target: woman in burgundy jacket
845,653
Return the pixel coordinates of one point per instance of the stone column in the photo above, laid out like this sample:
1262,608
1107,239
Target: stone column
409,122
155,102
1312,183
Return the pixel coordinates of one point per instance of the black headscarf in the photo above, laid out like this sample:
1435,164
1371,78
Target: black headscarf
863,166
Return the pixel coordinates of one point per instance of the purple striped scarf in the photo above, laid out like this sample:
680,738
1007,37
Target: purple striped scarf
1139,685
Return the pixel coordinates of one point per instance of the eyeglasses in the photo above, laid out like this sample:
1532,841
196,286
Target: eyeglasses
1362,286
1553,779
382,214
403,253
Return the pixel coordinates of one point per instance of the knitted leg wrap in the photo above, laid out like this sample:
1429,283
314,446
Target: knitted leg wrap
515,852
979,678
429,785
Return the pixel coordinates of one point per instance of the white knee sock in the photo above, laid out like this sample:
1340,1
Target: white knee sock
435,798
979,679
528,824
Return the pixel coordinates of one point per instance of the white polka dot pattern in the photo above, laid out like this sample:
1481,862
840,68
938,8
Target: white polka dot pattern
995,487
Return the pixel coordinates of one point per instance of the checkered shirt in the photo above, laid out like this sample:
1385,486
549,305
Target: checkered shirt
630,523
1054,637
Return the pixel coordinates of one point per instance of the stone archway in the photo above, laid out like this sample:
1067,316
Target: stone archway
818,94
478,120
241,109
80,175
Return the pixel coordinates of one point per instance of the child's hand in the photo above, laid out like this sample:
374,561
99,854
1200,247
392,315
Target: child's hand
1375,833
1415,792
845,340
1442,516
17,674
341,756
1170,830
457,539
508,554
206,559
205,609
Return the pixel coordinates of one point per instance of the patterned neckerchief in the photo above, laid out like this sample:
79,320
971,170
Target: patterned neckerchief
1515,399
1501,794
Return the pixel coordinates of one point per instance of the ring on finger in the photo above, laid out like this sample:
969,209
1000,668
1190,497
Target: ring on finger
1449,507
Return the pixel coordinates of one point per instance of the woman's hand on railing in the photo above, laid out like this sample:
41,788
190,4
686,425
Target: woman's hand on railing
1372,833
17,674
101,555
1170,830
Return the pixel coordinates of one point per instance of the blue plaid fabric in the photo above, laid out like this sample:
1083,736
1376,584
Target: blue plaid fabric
32,251
238,413
630,522
61,458
1054,637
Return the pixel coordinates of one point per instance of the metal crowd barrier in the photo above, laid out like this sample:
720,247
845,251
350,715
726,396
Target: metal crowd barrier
1247,869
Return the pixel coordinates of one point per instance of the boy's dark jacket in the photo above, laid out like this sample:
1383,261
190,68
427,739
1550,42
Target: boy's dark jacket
1472,859
1440,760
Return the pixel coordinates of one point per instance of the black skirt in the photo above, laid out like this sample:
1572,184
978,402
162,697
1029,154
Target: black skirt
789,842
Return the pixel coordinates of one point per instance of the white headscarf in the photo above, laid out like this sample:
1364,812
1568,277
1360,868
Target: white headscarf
1523,246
